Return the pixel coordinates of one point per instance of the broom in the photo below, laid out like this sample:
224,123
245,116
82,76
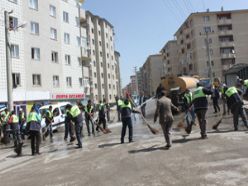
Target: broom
104,131
153,130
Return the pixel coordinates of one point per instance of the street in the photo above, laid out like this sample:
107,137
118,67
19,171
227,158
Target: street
218,160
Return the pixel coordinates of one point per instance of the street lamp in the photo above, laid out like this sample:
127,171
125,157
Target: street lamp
8,62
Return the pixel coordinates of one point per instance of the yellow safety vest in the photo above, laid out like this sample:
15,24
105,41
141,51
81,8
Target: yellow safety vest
33,116
15,119
126,106
188,97
120,102
198,93
88,110
246,83
230,91
50,115
75,111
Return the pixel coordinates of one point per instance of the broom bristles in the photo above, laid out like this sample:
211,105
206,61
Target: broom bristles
153,130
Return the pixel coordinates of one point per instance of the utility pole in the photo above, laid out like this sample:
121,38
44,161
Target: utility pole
8,62
209,57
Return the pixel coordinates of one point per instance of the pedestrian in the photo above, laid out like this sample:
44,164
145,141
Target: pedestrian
118,105
163,111
77,118
49,121
6,128
189,110
34,127
223,97
69,127
102,115
89,114
14,126
22,121
200,104
235,103
215,98
126,110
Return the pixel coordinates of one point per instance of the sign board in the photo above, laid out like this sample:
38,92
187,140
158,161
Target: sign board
68,96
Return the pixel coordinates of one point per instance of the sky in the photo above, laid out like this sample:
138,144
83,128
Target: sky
142,27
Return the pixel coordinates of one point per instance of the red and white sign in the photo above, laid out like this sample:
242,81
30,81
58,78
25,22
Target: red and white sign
68,96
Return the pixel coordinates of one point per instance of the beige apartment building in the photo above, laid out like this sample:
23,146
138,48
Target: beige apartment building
170,58
104,66
152,71
220,37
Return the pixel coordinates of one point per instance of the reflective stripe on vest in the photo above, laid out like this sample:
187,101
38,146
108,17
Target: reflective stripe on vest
32,117
126,106
188,97
75,111
120,102
6,117
15,119
222,90
88,110
198,93
230,91
246,83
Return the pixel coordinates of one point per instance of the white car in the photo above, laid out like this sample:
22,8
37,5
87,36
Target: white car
58,111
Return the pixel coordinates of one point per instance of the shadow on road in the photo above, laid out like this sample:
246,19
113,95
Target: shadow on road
185,140
221,131
108,145
149,149
15,156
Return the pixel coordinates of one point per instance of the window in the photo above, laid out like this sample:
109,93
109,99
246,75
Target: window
99,32
68,82
112,57
34,28
106,35
65,17
110,97
13,22
93,41
207,29
33,4
35,54
101,54
16,79
108,65
109,86
111,38
78,41
100,43
92,31
14,51
107,55
52,10
66,38
93,52
53,33
107,45
54,56
206,19
102,75
95,85
77,21
103,87
79,61
81,82
94,62
101,64
109,76
94,74
36,80
13,1
55,81
56,112
67,59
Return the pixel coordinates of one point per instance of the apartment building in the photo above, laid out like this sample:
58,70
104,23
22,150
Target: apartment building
52,48
152,71
170,58
118,73
103,68
212,40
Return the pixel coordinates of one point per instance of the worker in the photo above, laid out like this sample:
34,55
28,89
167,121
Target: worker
69,127
6,128
142,103
245,84
163,111
22,121
14,126
223,97
118,105
77,118
200,104
107,111
215,97
49,121
126,110
235,103
189,110
102,115
89,114
33,128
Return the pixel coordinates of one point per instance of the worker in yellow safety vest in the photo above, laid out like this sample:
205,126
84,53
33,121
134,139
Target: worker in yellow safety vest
5,127
49,121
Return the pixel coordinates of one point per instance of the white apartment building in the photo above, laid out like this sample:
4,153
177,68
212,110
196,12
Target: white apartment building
50,59
103,72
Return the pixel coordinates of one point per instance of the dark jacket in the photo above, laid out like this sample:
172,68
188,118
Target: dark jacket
202,102
126,112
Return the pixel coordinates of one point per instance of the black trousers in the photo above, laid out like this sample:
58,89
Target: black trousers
35,141
101,121
216,105
127,122
78,130
69,129
201,116
237,110
88,121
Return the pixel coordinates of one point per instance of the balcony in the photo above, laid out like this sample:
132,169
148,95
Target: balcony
225,32
224,21
226,44
83,22
228,55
